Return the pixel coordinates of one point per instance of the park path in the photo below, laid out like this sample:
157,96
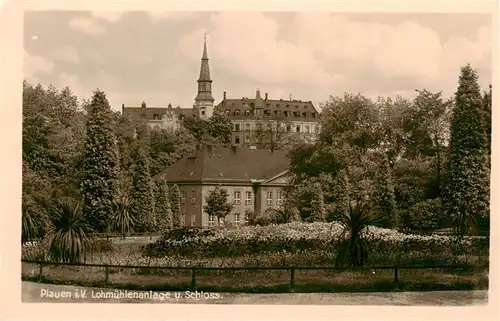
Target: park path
38,292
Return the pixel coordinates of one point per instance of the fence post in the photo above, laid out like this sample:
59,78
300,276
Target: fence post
396,275
106,274
40,270
193,278
292,279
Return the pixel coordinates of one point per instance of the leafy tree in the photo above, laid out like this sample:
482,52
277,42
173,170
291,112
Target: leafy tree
99,187
142,205
467,190
220,128
163,211
168,146
69,235
217,204
175,204
384,195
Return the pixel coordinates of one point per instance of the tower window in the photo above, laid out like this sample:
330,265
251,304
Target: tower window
203,113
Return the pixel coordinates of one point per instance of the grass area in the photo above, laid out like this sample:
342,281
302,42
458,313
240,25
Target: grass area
273,281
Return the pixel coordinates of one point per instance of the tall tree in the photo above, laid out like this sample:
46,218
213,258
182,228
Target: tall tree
217,203
142,205
175,203
99,187
162,206
317,205
467,190
384,198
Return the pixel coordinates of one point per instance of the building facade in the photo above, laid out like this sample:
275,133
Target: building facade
252,187
261,121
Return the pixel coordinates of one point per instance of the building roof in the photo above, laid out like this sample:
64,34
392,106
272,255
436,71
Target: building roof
271,109
148,113
227,164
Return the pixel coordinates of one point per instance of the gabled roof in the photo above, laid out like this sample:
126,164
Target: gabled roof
272,109
149,113
228,164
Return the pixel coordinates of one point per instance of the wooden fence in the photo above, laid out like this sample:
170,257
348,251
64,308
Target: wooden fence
290,269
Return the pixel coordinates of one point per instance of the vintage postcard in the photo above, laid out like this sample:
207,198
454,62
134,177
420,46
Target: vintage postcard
272,157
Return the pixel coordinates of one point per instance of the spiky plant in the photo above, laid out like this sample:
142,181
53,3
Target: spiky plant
122,220
354,216
34,224
69,236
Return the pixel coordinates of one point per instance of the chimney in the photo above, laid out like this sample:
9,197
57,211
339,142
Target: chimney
266,96
224,96
143,104
123,109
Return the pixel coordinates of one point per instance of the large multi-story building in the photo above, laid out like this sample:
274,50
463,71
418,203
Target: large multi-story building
252,187
262,121
258,122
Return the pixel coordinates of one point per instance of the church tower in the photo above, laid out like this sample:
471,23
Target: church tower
204,101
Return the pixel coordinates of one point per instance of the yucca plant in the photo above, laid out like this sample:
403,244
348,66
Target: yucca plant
69,236
122,219
34,223
355,216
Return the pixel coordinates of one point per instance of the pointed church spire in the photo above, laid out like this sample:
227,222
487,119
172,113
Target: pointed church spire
205,70
204,100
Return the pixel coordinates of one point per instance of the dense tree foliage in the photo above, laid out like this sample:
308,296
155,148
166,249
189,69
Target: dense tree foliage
469,176
100,184
162,206
142,195
217,129
175,206
217,203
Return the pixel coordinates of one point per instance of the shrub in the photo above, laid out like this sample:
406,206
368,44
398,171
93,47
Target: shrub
318,239
424,216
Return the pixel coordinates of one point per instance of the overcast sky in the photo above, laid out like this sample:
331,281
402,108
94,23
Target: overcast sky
155,57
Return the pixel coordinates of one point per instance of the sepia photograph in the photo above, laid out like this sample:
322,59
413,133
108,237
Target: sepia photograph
256,157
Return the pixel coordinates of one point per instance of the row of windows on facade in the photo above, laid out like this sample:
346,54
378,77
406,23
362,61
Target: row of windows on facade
269,126
267,112
212,219
237,197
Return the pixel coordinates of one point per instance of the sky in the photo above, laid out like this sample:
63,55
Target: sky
154,56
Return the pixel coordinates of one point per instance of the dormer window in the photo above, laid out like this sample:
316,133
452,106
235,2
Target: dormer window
156,117
285,113
313,115
267,112
247,112
304,114
296,114
287,106
227,112
296,106
237,112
